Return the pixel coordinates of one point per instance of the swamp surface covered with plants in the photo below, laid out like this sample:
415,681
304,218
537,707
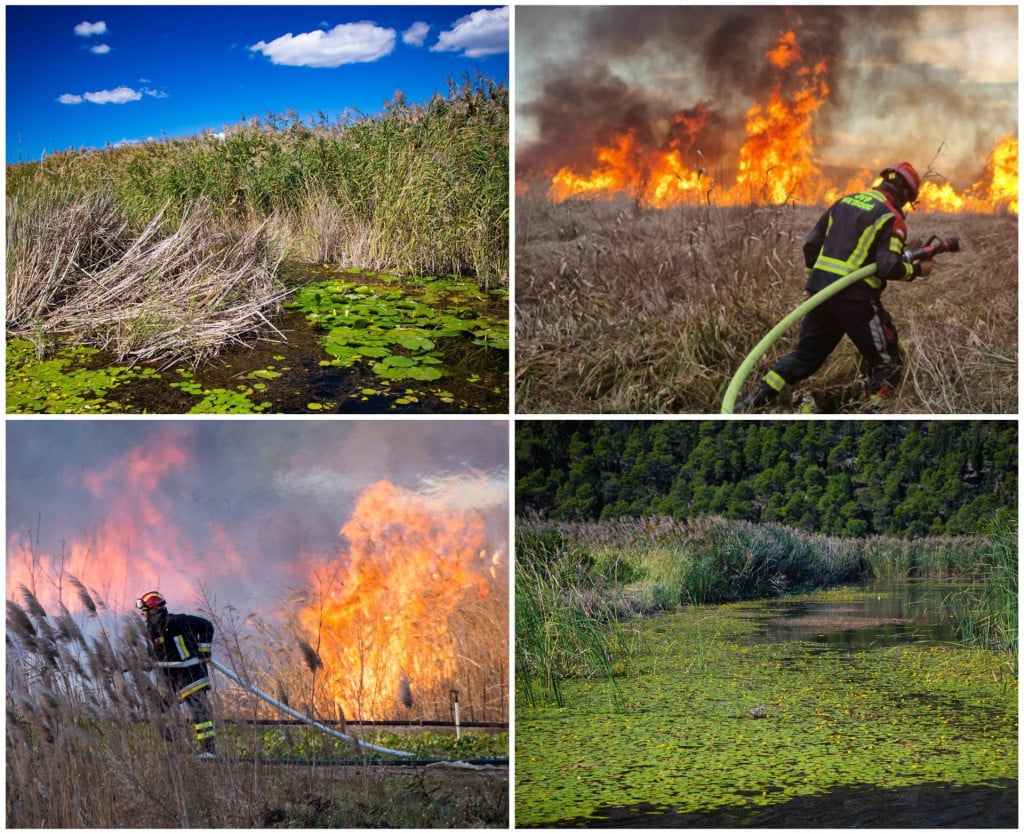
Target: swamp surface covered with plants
345,342
781,714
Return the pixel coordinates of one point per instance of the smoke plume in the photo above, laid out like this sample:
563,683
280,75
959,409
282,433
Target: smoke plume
902,83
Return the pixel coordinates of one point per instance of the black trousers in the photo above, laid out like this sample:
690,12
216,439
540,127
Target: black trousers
869,327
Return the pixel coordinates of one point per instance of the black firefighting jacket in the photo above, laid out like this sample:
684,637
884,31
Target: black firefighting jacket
857,230
181,647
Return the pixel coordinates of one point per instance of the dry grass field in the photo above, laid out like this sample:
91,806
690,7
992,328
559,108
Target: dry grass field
625,309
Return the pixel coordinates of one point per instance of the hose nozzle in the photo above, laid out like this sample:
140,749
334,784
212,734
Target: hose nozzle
935,246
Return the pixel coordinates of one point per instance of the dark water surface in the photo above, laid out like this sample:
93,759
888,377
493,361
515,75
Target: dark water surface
936,805
893,612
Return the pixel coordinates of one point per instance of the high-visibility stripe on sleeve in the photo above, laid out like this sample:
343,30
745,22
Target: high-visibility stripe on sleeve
204,730
774,381
193,687
183,652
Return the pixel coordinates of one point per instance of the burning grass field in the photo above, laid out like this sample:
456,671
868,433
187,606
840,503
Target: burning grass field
623,308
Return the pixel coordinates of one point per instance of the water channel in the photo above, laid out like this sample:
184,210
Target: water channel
850,707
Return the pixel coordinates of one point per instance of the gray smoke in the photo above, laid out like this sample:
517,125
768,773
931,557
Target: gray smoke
246,501
903,80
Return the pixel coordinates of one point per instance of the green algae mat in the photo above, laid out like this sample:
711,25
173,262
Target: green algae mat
903,732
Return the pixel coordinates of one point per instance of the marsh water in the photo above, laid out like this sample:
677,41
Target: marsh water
347,342
883,614
872,715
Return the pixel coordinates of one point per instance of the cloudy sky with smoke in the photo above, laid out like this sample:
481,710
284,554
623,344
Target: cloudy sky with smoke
903,81
244,507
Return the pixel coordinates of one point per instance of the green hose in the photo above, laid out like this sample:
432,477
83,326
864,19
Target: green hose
729,402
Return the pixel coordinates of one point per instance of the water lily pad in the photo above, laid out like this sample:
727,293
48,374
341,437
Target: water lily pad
413,342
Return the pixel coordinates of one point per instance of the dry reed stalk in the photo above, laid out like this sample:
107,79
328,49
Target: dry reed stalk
625,310
167,296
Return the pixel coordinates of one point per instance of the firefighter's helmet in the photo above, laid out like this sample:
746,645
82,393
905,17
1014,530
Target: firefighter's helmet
151,600
905,176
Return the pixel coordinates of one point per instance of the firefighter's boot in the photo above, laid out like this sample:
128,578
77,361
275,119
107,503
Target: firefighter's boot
760,396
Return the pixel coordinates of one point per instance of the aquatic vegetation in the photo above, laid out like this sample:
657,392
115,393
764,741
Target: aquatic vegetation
64,383
908,714
392,332
288,742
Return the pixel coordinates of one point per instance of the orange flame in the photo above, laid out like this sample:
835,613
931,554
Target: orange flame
136,545
777,160
393,610
996,191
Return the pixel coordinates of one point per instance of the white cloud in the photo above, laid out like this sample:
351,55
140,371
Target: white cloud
119,95
85,29
100,49
416,34
482,33
346,43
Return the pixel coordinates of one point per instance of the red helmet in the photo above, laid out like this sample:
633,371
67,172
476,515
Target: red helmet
150,600
903,173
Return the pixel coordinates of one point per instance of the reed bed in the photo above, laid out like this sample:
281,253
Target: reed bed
169,251
565,626
627,309
90,745
419,189
986,611
77,275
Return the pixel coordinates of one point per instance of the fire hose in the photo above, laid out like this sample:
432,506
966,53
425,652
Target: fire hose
934,246
298,715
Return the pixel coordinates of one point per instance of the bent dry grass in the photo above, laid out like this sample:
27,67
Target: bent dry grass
76,276
624,309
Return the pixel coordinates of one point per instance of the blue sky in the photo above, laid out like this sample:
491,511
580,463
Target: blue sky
92,75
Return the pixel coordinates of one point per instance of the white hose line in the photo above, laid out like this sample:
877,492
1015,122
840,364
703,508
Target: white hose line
295,714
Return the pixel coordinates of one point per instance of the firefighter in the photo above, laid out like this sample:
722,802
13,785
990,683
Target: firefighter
857,230
182,644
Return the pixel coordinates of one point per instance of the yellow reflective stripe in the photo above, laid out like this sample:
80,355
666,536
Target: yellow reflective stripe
774,381
206,648
193,688
834,265
183,651
204,730
862,250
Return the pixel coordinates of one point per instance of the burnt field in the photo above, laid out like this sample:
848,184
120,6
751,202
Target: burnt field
627,309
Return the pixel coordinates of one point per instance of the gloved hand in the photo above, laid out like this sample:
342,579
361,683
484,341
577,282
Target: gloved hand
922,269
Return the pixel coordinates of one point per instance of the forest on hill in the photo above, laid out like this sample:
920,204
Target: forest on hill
845,478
